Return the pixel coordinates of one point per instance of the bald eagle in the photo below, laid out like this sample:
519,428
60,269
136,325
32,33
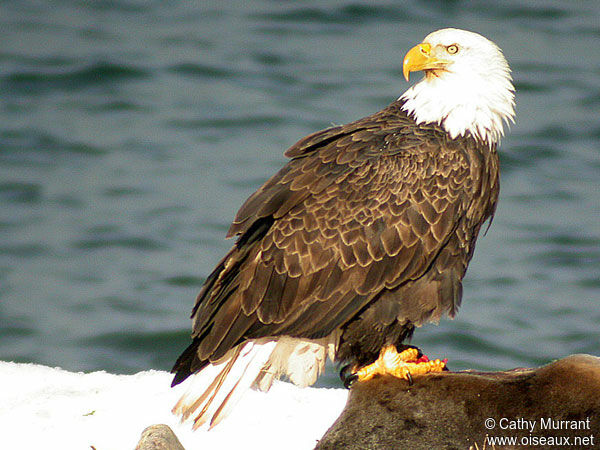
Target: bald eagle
365,234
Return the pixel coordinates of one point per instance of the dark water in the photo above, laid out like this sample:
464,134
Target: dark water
131,131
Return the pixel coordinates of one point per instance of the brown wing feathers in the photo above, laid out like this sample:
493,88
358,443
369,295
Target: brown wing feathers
359,209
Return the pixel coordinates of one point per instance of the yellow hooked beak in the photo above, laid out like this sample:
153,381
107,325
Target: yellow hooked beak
420,58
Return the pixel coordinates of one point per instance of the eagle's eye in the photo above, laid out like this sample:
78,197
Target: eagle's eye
452,49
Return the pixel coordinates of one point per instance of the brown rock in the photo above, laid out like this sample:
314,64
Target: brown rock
159,437
449,410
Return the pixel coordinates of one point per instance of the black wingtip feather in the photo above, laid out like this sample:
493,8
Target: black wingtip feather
188,359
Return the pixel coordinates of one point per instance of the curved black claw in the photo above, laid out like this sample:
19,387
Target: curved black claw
409,378
347,377
349,381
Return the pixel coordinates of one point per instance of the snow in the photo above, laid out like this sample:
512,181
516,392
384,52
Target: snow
44,407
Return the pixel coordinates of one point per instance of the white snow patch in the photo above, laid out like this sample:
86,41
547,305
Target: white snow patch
44,407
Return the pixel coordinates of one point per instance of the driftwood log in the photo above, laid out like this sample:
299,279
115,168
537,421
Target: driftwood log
554,406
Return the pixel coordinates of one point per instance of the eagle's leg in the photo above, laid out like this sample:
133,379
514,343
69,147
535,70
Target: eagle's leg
401,365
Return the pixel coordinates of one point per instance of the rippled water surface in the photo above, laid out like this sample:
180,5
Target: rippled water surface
130,133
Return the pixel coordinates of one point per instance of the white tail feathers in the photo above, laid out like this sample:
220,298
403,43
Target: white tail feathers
301,360
218,387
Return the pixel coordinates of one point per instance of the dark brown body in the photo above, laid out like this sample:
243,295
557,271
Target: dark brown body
367,232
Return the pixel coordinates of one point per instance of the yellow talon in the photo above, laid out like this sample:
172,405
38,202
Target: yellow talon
401,365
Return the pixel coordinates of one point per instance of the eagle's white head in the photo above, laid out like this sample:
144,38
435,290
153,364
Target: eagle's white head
467,85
